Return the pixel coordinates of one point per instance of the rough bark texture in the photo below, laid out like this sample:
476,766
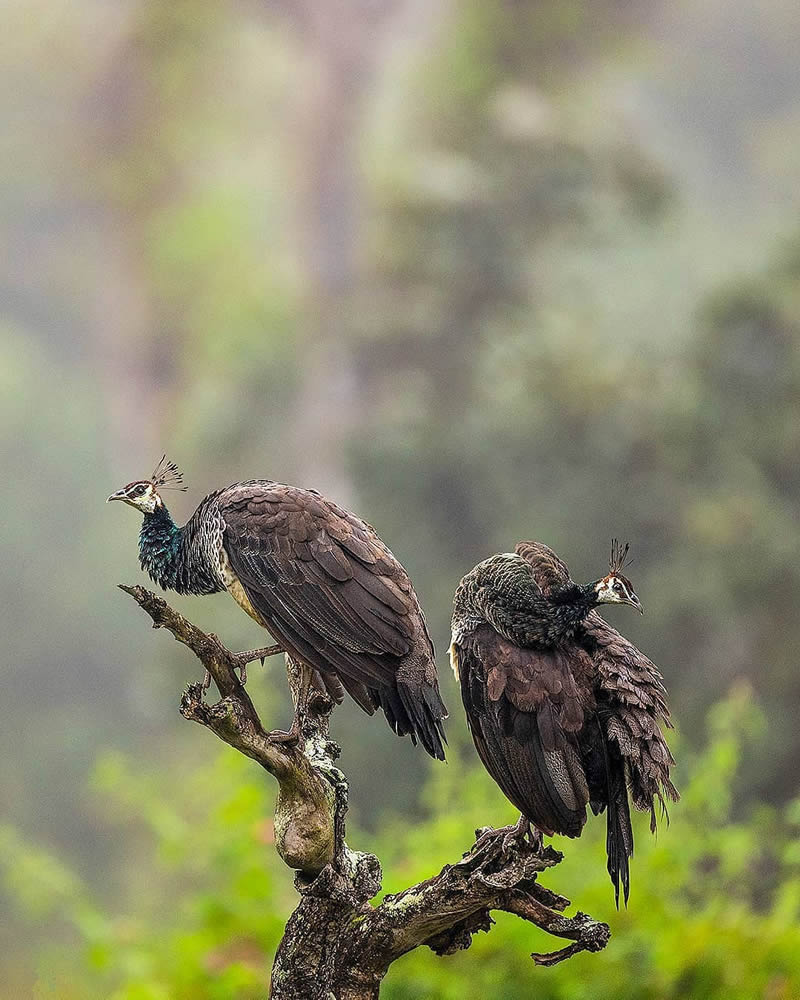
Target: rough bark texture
337,945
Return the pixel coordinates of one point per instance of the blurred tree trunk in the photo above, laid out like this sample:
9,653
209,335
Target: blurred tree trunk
135,169
343,46
124,122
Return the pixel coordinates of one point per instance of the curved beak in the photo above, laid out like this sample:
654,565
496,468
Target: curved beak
119,495
636,603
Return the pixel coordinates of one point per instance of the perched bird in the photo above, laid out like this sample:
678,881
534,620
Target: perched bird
563,710
317,577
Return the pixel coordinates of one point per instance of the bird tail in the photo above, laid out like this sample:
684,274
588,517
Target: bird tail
415,710
425,711
619,833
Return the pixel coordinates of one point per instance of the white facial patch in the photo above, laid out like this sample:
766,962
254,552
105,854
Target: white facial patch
606,594
147,502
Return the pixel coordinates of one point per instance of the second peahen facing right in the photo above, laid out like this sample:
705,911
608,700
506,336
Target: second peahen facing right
563,710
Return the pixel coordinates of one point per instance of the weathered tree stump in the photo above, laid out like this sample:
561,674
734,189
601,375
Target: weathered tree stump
337,945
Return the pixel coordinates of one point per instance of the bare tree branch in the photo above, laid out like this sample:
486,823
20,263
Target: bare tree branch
337,945
305,811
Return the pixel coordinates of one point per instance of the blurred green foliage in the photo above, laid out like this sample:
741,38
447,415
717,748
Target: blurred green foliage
567,308
715,910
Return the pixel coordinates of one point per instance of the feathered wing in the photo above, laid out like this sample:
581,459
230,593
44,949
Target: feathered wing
549,570
631,705
635,708
525,709
336,597
627,748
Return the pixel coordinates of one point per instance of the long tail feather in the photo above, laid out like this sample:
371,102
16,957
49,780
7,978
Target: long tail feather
425,710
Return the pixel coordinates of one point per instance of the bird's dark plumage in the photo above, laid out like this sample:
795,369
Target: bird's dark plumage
319,579
330,590
564,712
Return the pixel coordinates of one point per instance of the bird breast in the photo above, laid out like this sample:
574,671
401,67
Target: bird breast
454,664
235,588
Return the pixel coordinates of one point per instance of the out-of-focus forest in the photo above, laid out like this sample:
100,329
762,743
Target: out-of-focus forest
483,270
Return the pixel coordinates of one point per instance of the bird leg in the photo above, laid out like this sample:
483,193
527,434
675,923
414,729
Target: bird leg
535,839
302,688
525,834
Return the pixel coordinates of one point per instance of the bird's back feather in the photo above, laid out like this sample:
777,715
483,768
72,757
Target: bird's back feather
525,708
564,725
333,593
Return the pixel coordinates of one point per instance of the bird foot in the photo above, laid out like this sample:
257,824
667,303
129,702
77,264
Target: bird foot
290,739
258,654
506,840
242,659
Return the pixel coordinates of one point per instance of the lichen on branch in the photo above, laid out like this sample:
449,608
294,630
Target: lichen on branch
337,945
305,812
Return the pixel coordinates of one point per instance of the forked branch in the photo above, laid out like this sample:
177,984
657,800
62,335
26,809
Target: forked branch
306,808
337,945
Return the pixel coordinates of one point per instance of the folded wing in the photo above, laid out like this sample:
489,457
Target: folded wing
335,596
525,709
632,701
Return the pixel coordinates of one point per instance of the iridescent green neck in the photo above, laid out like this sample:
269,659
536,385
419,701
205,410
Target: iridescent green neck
159,547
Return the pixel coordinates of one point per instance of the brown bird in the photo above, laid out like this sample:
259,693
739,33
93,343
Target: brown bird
563,710
317,577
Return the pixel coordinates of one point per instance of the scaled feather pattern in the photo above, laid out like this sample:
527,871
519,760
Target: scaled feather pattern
564,711
322,582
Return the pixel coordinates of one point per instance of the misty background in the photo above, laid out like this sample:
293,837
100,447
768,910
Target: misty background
482,271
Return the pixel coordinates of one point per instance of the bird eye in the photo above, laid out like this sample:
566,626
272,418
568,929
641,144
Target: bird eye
618,587
139,491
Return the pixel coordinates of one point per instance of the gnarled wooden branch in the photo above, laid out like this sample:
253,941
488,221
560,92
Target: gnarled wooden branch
305,813
337,945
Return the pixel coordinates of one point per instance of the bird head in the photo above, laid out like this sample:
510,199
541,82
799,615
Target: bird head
615,588
143,494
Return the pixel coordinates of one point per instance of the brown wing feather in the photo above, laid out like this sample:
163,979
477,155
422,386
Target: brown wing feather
525,708
294,554
550,571
335,596
631,710
631,692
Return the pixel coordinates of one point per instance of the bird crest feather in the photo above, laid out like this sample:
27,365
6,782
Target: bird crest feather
167,476
619,555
